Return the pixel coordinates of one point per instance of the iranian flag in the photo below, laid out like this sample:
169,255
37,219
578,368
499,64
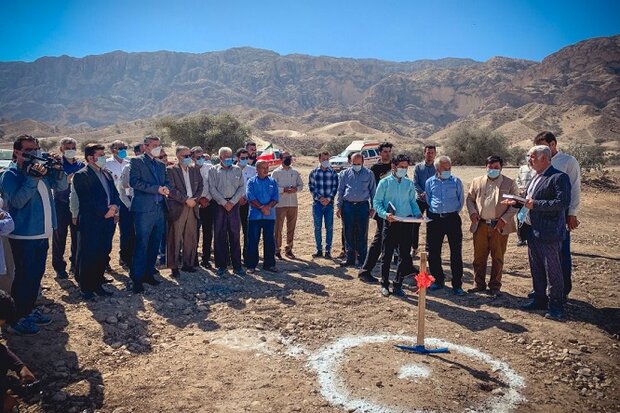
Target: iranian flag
268,154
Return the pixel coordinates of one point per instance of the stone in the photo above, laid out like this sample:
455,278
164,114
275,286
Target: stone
521,340
584,372
111,320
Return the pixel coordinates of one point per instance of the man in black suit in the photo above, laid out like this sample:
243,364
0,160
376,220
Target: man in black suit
548,197
97,210
147,177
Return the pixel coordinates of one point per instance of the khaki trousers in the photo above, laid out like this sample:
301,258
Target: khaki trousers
489,241
290,214
182,238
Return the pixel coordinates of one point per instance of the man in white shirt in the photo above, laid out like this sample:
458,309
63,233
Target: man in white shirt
115,165
569,165
248,171
126,223
206,207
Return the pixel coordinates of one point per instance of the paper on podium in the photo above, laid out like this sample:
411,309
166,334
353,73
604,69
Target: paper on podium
413,220
514,197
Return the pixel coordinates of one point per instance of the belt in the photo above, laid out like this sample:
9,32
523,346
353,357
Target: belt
356,202
444,215
491,222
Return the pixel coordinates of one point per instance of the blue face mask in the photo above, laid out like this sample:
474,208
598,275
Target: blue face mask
243,162
227,162
493,173
187,161
200,161
445,174
357,168
101,161
401,172
122,153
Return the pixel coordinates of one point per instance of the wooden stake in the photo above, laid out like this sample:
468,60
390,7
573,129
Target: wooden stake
421,303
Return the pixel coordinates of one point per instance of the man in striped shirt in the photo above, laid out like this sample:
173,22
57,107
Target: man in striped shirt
323,185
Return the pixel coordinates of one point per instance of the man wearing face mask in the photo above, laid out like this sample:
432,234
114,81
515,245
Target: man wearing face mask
147,177
70,165
125,193
97,206
323,184
206,208
395,198
227,187
185,189
491,222
29,201
421,173
356,188
445,197
248,171
115,164
289,184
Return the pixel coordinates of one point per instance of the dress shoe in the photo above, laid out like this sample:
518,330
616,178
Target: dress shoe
495,293
175,273
250,270
328,255
385,292
239,271
290,255
108,269
522,243
151,281
398,292
137,288
347,264
342,255
103,293
531,294
221,271
278,255
458,291
436,286
535,305
367,278
318,254
271,269
207,265
477,289
556,315
188,269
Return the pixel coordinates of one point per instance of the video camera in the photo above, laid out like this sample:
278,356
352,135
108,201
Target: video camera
45,160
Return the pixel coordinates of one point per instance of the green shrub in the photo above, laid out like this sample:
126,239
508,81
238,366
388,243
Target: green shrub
471,146
590,157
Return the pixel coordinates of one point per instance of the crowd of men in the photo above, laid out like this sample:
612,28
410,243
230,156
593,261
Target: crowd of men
162,207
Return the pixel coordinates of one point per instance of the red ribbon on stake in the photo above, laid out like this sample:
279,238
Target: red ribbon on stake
424,280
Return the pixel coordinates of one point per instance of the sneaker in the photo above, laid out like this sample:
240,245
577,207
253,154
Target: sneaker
239,271
317,254
435,286
39,318
347,264
458,291
477,289
531,294
398,292
24,327
221,271
367,278
290,255
206,264
250,270
385,292
62,275
521,243
556,315
328,255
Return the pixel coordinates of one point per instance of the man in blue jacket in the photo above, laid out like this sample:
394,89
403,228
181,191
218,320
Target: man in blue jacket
26,188
548,196
147,177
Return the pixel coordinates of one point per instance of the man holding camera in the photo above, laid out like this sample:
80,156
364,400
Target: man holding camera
27,190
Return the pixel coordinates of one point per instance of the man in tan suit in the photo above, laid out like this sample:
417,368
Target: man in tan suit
185,188
491,222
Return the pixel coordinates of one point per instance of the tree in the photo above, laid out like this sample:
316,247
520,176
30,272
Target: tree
336,146
590,157
48,144
211,132
471,146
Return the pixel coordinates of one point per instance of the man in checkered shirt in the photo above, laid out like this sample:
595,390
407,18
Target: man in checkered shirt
323,185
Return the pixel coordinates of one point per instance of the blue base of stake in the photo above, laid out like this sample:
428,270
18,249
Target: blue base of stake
423,349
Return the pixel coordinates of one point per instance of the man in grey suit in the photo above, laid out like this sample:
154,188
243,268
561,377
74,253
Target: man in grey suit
548,197
185,189
147,177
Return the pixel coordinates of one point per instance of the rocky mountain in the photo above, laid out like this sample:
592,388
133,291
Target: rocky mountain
575,91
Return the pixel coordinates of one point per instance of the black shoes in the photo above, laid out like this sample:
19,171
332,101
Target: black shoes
347,264
367,278
318,254
398,292
477,289
535,305
271,269
62,275
151,281
175,273
290,255
328,255
137,288
278,255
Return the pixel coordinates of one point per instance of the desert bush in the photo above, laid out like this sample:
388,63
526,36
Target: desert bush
336,146
471,146
48,144
516,156
211,132
86,142
414,152
590,157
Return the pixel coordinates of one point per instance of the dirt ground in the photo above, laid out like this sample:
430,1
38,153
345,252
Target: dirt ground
315,339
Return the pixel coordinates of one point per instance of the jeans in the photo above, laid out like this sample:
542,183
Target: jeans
355,220
255,227
567,265
29,256
322,213
149,228
59,238
127,235
437,230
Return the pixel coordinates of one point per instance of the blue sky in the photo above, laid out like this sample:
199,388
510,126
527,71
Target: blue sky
383,29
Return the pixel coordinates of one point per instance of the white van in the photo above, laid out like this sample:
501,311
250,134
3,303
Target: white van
369,149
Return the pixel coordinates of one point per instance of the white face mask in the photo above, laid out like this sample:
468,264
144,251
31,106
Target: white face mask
357,168
70,153
325,164
156,151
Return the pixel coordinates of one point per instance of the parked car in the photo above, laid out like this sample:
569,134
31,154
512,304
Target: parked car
6,157
369,150
275,162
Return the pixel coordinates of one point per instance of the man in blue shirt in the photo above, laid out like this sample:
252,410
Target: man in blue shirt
421,173
356,188
263,195
445,197
70,164
323,184
394,199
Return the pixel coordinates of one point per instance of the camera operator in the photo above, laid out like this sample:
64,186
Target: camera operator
26,187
